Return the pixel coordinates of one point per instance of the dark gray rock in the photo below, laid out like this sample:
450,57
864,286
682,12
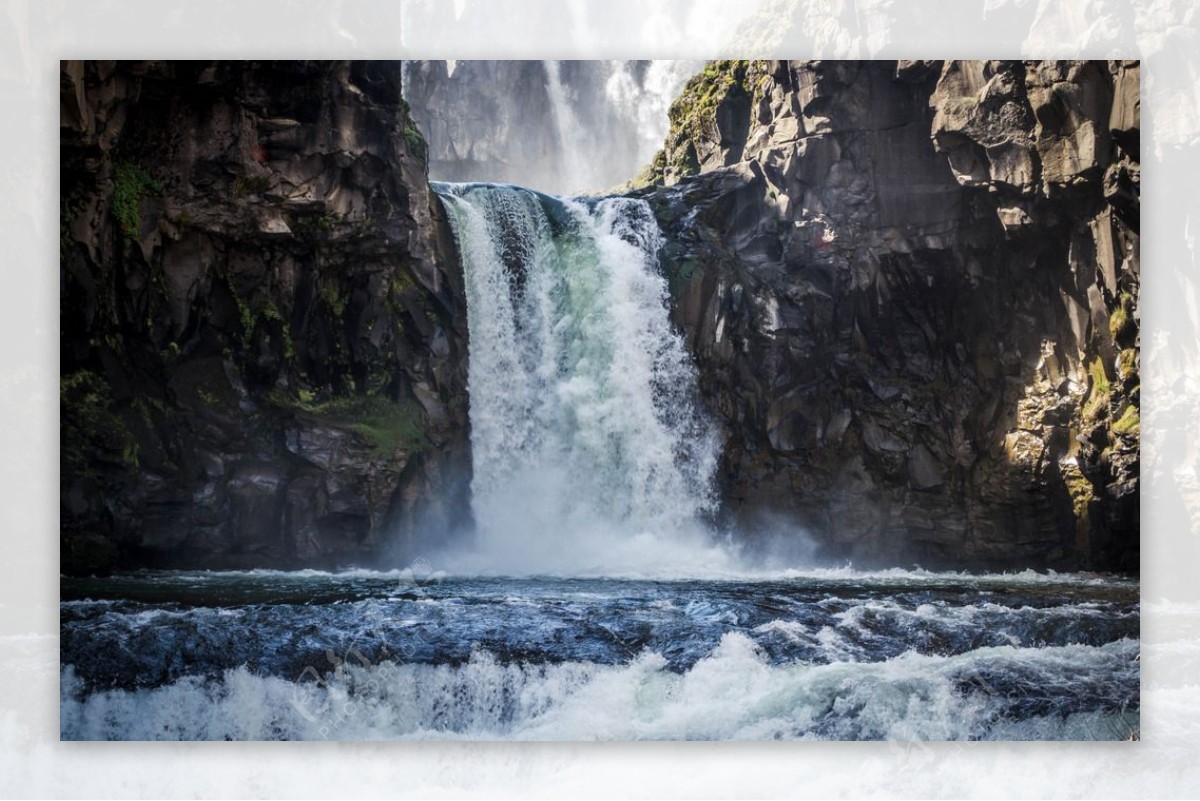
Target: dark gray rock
264,332
908,291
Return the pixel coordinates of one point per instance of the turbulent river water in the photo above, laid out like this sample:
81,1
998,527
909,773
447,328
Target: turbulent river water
414,654
593,600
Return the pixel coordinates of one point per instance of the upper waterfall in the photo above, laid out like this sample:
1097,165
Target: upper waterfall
589,449
564,127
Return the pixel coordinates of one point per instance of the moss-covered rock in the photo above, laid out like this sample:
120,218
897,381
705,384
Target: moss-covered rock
92,434
1129,423
131,184
708,122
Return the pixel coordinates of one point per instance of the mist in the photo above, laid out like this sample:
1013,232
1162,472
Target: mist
561,127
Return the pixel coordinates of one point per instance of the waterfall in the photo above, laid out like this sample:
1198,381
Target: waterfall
589,450
564,127
570,133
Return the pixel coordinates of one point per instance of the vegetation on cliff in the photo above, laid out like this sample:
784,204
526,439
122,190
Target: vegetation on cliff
260,343
912,291
705,115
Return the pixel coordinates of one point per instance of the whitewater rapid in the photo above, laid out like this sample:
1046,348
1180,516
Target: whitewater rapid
901,656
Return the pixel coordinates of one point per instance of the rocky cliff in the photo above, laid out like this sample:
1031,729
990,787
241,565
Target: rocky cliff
263,334
912,291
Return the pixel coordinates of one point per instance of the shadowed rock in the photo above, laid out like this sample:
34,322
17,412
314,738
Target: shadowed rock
263,336
912,294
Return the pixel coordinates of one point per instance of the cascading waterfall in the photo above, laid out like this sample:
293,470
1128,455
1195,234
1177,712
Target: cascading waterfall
590,452
642,99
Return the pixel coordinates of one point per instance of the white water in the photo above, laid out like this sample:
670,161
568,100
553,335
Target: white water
605,120
576,164
732,694
590,454
643,102
632,128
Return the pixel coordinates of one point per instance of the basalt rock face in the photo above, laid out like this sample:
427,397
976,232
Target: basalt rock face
912,292
263,326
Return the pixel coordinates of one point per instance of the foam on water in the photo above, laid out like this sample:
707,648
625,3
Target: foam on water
1067,692
123,635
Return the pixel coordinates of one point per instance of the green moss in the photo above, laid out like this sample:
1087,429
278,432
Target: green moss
314,226
697,104
89,426
416,142
130,185
245,316
386,426
417,145
399,281
289,345
1120,321
271,312
693,115
364,228
1100,392
1130,423
1117,322
255,185
390,427
1099,376
1127,363
334,299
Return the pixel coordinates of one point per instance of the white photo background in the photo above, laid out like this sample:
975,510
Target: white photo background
1163,35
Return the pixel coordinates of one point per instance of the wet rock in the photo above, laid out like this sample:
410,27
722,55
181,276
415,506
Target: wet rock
942,248
924,472
256,278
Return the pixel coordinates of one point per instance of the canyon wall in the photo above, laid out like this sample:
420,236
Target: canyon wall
912,292
263,350
911,289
